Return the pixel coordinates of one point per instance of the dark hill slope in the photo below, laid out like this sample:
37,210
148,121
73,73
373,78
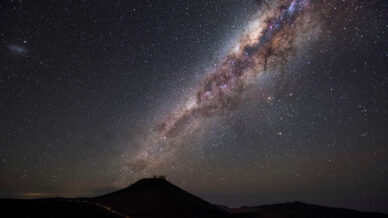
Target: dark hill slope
53,207
159,198
300,210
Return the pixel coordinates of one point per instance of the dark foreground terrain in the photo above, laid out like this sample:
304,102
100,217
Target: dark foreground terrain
159,198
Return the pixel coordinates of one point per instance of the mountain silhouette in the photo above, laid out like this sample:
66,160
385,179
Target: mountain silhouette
299,209
158,198
54,207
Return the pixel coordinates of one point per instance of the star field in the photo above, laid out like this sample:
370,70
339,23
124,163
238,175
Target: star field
240,102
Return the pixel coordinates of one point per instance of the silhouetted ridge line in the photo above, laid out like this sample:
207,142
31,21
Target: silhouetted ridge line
156,197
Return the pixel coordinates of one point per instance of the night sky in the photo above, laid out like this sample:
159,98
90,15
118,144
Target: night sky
239,102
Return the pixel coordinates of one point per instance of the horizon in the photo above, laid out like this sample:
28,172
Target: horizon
365,205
